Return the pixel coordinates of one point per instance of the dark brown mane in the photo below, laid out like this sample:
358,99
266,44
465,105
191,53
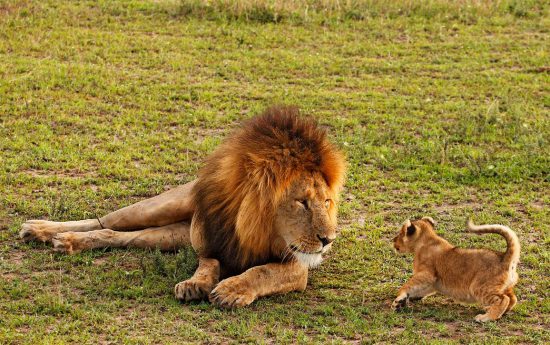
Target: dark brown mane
242,182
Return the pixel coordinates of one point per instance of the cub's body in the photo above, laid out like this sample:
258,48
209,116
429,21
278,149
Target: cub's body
467,275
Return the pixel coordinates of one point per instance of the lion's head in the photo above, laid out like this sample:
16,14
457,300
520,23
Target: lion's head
270,192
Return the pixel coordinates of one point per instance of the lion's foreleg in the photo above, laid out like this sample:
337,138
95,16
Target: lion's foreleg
417,287
264,280
168,237
201,283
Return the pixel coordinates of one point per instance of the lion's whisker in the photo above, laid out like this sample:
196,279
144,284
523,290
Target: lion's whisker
289,251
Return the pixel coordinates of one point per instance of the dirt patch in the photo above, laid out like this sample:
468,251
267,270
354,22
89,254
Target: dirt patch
447,208
9,259
14,257
10,276
543,69
101,261
200,133
10,8
539,205
4,225
73,173
397,330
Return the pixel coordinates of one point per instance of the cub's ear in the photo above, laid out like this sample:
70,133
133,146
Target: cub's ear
411,229
429,220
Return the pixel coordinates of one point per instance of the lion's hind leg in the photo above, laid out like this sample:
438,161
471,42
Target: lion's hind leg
173,206
496,305
170,207
513,299
199,286
165,238
44,230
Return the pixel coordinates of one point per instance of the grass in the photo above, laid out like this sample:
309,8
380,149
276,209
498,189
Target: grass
442,108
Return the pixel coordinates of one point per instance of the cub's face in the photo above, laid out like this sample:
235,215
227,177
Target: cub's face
306,219
411,234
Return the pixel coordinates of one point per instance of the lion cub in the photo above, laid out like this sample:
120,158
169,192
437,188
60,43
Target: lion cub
467,275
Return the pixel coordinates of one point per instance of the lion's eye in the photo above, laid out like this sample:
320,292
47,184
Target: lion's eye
327,203
303,203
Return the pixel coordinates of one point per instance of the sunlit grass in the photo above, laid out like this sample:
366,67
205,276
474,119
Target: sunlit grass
442,108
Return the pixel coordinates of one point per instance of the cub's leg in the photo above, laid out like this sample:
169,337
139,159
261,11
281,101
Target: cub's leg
419,286
202,282
168,237
496,305
259,281
170,207
513,299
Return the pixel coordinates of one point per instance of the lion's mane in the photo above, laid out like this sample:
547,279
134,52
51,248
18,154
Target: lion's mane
243,180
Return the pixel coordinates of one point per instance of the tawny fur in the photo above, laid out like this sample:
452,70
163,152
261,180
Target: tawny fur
262,211
265,208
246,182
468,275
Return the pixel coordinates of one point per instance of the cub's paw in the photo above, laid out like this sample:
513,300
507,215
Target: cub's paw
38,230
192,289
232,293
483,318
65,243
400,302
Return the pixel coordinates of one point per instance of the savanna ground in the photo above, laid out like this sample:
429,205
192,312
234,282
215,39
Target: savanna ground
442,108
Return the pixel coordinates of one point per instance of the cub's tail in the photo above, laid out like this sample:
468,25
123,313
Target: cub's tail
512,252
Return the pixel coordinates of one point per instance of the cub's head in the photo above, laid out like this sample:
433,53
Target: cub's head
306,218
412,234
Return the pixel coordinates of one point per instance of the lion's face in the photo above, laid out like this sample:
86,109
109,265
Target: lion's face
306,219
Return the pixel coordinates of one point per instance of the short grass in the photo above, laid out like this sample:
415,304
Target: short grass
442,108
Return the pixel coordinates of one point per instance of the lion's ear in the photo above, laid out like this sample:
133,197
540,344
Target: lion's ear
333,168
429,220
411,229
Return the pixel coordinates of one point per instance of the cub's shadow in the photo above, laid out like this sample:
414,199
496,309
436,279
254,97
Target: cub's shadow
437,308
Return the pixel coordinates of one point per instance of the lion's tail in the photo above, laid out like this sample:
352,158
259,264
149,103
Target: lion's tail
512,252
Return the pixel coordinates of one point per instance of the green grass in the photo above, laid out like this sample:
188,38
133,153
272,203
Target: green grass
442,108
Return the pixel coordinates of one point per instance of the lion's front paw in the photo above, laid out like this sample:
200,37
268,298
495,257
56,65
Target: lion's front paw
400,302
65,243
192,289
38,230
232,293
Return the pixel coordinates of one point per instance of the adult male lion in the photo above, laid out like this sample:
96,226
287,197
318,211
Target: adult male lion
262,211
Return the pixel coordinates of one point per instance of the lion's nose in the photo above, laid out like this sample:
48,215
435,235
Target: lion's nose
325,240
